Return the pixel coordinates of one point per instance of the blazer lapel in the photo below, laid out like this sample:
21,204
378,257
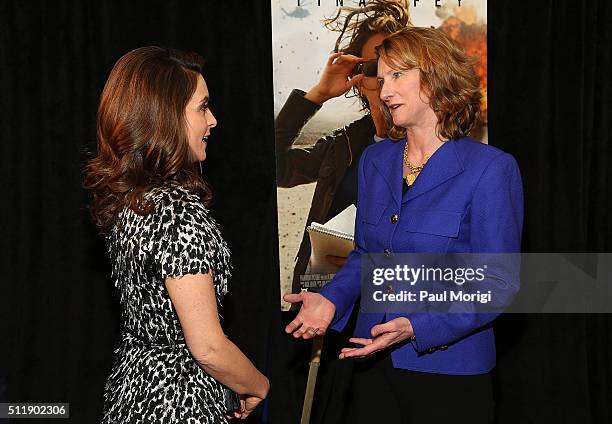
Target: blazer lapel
443,165
389,165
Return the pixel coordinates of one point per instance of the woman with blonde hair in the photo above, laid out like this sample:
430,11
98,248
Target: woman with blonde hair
429,188
170,265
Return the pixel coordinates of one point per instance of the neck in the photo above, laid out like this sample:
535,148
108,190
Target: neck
422,142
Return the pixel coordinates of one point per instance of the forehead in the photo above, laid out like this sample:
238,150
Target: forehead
383,68
201,88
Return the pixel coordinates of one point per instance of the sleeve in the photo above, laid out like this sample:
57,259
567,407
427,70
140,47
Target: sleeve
187,245
496,226
297,165
345,288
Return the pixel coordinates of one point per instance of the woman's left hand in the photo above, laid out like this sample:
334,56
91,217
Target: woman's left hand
384,335
247,405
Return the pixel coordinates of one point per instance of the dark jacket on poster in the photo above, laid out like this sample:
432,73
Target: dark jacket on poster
325,162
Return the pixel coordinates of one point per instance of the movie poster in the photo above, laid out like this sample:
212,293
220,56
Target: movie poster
313,161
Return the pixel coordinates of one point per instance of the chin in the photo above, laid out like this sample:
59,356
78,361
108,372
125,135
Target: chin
201,155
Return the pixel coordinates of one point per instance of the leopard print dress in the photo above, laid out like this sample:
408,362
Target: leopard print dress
154,378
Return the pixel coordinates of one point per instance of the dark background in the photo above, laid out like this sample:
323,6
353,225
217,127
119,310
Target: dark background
550,104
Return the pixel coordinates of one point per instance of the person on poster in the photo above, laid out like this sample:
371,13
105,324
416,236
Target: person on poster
430,188
332,161
170,263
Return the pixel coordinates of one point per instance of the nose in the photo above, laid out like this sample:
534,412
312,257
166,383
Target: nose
212,121
385,93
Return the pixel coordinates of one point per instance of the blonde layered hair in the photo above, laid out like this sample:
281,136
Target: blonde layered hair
447,78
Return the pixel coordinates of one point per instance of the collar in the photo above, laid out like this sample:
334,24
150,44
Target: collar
443,165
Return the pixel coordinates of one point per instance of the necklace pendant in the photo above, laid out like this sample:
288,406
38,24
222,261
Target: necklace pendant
410,178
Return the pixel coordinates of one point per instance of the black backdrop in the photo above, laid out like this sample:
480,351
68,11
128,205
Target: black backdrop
550,102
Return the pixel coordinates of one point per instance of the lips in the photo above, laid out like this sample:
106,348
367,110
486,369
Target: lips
393,107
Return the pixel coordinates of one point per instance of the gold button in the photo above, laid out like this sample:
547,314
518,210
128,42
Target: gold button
394,218
389,288
387,252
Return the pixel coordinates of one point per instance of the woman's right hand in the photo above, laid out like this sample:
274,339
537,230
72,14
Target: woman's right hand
335,80
314,316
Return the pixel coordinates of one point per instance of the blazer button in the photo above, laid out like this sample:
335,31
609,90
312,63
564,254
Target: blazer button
387,252
389,288
394,218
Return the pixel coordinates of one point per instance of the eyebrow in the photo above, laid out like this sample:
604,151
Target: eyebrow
204,100
391,70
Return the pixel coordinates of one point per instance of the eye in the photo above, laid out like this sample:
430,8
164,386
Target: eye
397,74
381,82
204,107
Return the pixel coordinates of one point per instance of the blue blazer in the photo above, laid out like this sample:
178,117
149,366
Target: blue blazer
467,199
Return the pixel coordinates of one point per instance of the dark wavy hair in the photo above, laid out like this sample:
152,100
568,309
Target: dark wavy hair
447,77
142,133
357,25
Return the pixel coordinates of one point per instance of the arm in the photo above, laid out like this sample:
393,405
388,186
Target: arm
334,303
193,297
497,216
186,269
295,166
345,288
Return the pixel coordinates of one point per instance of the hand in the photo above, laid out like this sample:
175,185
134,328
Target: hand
247,405
338,261
384,335
314,316
335,80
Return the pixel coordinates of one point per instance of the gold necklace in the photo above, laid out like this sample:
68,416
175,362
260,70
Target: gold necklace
413,171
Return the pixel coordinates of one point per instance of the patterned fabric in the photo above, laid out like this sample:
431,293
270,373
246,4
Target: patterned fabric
154,378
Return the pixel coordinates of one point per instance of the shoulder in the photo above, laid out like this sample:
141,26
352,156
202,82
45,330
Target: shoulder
381,148
477,155
384,145
176,205
363,125
362,128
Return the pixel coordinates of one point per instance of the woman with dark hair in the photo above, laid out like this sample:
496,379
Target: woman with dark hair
430,188
170,264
